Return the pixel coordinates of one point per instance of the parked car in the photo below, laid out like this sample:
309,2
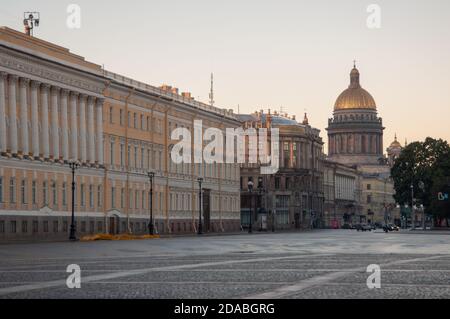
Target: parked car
394,227
363,227
346,226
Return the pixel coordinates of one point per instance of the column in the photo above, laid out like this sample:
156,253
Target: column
24,116
100,131
3,145
83,128
34,119
13,114
73,126
44,121
64,126
91,131
55,123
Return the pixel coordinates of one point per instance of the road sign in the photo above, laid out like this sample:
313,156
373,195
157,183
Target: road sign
442,196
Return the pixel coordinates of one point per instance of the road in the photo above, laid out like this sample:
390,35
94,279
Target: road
312,264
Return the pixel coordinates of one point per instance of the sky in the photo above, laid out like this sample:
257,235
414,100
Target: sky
294,55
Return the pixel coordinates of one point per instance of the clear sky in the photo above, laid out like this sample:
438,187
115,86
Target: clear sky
268,54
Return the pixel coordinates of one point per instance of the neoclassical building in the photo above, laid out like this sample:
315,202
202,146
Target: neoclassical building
55,107
293,197
355,139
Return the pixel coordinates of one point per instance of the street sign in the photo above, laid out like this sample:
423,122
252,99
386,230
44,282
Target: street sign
442,196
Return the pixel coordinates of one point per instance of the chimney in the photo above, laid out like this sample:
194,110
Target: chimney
165,87
186,95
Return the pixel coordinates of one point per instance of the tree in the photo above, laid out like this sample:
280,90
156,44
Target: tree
422,162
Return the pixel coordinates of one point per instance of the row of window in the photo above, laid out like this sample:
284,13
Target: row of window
49,190
137,121
36,227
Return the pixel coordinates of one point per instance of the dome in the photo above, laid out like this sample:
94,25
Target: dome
395,143
355,97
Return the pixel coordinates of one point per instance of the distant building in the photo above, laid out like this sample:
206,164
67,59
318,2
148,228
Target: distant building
355,138
342,192
293,197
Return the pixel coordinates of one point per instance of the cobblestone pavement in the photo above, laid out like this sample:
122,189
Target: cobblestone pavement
314,264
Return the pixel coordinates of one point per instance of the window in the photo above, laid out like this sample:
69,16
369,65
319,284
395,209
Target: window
122,159
55,194
277,183
23,191
1,189
45,192
121,117
143,200
287,183
13,226
83,195
2,226
91,226
142,122
99,196
111,154
369,187
33,193
83,226
24,226
136,200
148,123
129,155
142,157
113,197
122,198
369,199
134,120
110,115
135,156
99,226
35,226
55,226
45,226
91,196
64,194
12,190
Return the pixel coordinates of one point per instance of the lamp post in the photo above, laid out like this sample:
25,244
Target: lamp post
200,181
151,176
250,189
73,166
412,207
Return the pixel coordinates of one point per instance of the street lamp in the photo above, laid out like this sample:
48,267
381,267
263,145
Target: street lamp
151,176
200,181
250,188
73,164
413,226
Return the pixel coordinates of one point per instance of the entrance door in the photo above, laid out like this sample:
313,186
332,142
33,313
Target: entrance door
206,210
113,225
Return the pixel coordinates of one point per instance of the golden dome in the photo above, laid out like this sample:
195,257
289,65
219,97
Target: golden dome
395,143
355,97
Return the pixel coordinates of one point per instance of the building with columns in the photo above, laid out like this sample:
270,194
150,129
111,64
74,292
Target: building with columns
56,107
293,197
355,139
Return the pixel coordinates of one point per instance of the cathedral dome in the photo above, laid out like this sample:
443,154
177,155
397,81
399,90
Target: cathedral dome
355,97
395,143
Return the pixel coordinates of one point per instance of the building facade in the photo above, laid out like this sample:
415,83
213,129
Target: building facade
342,190
56,107
293,197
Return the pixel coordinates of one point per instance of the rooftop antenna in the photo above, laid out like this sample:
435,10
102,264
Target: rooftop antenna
211,94
30,21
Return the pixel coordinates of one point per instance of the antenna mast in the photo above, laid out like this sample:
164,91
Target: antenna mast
211,93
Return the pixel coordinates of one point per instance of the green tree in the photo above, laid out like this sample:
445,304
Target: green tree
421,164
